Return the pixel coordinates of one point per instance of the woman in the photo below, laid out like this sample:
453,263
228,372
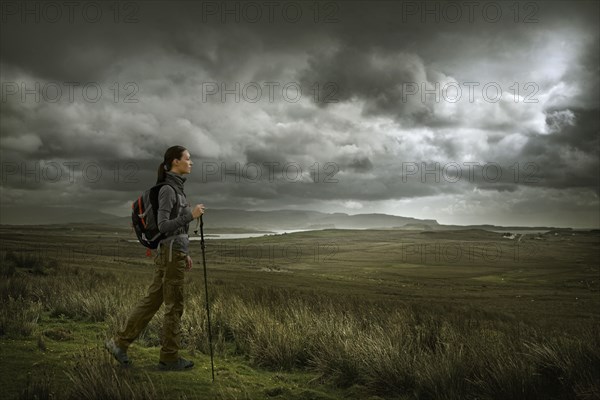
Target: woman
171,262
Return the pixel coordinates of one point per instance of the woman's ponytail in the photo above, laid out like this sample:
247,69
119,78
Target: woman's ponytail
161,173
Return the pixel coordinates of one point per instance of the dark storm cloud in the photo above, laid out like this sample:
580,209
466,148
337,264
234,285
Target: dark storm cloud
570,157
361,121
376,78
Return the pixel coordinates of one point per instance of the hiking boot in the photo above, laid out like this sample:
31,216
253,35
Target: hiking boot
179,365
118,353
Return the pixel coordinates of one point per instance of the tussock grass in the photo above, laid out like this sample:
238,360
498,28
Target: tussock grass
39,387
19,317
94,376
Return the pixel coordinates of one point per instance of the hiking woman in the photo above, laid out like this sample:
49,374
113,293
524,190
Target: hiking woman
171,262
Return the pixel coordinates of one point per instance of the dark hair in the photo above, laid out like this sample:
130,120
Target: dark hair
172,153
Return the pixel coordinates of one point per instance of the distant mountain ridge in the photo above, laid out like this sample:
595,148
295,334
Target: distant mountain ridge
246,219
221,218
292,219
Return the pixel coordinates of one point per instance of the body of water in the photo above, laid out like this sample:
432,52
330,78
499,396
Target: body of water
222,236
521,231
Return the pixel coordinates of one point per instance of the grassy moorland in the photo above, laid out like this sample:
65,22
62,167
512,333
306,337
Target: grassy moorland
313,315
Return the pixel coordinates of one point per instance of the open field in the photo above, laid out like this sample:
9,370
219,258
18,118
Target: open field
311,315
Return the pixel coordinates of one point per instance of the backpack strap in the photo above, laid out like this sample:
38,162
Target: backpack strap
173,215
175,209
171,239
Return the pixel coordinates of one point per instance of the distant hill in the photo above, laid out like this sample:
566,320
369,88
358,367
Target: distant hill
291,219
44,215
243,219
221,218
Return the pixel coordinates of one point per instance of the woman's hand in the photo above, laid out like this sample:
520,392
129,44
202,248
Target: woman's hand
198,211
188,263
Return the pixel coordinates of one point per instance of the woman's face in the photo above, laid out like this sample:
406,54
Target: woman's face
184,165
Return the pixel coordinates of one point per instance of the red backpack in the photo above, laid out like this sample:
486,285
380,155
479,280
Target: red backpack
144,216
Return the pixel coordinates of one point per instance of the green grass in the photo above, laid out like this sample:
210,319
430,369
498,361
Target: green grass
311,315
81,365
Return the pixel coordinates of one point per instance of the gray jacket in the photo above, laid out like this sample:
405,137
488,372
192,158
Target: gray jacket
176,229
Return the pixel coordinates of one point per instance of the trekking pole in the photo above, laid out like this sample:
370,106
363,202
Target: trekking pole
212,366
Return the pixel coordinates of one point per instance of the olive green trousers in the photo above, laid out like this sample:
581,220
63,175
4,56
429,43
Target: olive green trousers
167,287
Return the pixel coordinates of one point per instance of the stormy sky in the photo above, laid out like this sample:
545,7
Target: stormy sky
465,112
